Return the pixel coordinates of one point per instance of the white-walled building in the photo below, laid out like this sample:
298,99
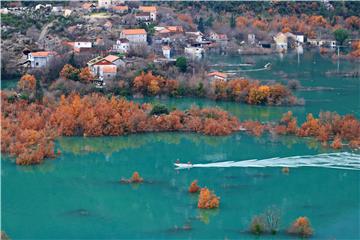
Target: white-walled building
281,41
40,59
166,51
122,46
134,35
194,51
152,10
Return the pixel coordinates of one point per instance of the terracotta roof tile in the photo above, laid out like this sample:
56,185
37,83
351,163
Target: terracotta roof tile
111,58
43,53
219,74
147,8
136,31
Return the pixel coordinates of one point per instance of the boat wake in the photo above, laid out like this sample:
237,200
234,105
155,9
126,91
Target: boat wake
342,160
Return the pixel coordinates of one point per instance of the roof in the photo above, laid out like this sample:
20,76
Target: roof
166,47
111,58
109,69
94,60
175,28
123,40
147,8
298,33
135,31
219,74
43,53
88,5
143,14
120,8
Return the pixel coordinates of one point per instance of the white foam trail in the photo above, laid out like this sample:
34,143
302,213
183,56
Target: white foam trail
342,160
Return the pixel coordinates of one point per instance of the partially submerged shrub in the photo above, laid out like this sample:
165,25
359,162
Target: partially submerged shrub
207,199
257,225
194,187
302,227
266,223
135,178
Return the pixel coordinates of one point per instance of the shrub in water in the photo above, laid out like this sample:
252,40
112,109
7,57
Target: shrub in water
194,187
302,227
207,199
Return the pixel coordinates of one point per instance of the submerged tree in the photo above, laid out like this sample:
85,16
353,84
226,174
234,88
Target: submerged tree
194,188
302,227
208,199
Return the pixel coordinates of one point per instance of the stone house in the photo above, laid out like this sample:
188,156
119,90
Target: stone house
40,59
134,36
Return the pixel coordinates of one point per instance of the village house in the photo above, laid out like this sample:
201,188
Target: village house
104,3
57,10
218,37
115,60
217,76
122,45
195,37
281,41
40,59
80,45
322,42
135,36
152,10
102,68
251,38
88,7
300,37
142,16
120,9
166,50
193,51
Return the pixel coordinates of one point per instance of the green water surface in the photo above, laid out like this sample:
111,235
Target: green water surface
78,195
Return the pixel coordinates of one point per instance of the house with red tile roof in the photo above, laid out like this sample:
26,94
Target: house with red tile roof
152,10
137,35
217,76
40,59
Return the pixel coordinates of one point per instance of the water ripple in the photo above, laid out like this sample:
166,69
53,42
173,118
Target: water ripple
341,160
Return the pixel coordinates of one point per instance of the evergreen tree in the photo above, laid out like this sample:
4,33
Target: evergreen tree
209,21
39,93
232,21
201,27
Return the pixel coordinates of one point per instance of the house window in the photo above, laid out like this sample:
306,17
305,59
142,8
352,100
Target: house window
36,64
78,43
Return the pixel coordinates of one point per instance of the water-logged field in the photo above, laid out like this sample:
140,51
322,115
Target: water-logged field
78,195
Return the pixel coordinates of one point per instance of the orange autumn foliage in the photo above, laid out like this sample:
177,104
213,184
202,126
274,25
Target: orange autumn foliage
251,92
318,21
260,24
353,22
302,227
241,22
337,144
29,129
85,75
194,187
207,199
149,84
25,132
254,127
27,83
68,72
287,125
355,49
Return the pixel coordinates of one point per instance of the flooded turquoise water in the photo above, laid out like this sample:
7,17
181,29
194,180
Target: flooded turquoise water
78,195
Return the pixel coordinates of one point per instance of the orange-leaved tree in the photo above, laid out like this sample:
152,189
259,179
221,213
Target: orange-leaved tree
207,199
